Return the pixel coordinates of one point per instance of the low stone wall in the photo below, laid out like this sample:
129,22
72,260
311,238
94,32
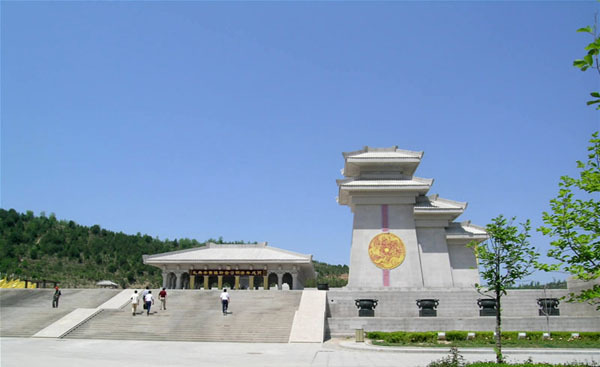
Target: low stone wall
457,310
345,326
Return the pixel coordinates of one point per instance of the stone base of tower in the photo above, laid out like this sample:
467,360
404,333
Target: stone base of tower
433,254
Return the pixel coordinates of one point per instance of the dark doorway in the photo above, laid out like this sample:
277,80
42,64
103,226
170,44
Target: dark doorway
287,279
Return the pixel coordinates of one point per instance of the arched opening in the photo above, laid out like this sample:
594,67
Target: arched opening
198,281
185,281
258,282
287,279
171,280
273,281
228,281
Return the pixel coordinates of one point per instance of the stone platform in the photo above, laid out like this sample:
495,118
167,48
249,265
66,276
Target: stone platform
458,310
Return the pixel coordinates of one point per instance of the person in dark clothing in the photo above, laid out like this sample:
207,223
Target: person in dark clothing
56,297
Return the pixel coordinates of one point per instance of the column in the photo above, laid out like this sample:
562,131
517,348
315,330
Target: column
220,282
192,280
206,282
251,282
279,278
178,281
237,282
165,276
266,282
295,284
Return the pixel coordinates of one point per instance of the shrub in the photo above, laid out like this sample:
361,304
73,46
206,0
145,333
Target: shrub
377,335
535,335
403,337
484,335
456,335
422,337
529,363
454,359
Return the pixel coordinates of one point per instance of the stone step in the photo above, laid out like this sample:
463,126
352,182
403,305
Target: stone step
197,316
24,312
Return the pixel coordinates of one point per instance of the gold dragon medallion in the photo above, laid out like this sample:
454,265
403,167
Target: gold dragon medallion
387,251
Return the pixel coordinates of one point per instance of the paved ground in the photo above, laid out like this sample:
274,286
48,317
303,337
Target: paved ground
20,352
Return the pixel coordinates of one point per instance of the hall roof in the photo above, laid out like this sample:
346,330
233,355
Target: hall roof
229,254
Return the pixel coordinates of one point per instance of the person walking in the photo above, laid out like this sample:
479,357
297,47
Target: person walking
225,301
149,302
56,296
135,299
144,293
162,296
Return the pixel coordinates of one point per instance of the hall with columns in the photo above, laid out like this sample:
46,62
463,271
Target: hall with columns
233,266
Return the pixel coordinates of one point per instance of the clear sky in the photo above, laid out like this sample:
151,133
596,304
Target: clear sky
207,119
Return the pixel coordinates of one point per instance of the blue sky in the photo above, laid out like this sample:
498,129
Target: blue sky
207,119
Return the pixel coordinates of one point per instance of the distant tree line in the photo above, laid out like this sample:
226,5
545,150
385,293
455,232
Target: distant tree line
554,284
334,275
43,247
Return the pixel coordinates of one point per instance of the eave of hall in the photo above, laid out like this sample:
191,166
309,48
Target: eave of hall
229,254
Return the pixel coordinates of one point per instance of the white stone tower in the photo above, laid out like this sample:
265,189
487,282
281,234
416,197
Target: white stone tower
400,237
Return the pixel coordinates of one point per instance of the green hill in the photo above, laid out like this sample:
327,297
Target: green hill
43,247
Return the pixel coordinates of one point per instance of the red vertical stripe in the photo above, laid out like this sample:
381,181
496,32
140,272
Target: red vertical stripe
386,278
385,228
384,218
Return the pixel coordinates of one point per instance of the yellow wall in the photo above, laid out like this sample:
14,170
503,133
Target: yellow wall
15,283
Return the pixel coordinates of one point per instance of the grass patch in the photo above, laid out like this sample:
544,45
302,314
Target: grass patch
485,339
455,359
529,364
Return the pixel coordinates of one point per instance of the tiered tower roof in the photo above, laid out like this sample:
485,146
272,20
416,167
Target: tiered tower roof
384,170
372,174
434,205
369,159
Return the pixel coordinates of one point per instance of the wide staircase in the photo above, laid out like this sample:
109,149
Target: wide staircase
24,312
254,316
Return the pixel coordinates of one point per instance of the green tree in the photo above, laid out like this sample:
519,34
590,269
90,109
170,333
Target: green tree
591,59
574,224
504,258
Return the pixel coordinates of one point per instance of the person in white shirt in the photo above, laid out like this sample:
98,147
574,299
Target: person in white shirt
225,301
135,299
149,302
144,293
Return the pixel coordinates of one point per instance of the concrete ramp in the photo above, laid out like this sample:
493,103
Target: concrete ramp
309,320
66,323
118,301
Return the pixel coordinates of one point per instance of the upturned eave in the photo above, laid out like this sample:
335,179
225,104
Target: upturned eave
381,159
